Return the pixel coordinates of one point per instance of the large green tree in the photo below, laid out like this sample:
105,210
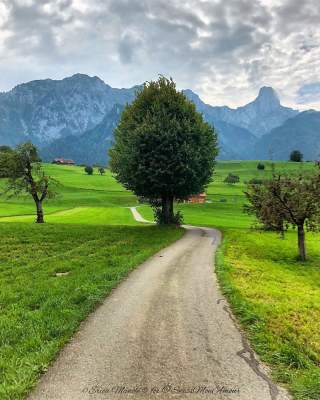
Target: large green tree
163,149
23,170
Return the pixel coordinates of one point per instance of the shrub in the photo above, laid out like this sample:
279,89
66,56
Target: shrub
256,181
232,179
260,166
88,170
160,218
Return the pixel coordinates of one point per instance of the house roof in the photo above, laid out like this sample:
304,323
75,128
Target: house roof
63,160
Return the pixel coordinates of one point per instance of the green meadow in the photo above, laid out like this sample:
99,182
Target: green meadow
52,276
275,297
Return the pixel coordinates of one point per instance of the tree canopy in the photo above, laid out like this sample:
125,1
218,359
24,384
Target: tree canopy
163,148
296,156
287,200
5,160
101,171
88,169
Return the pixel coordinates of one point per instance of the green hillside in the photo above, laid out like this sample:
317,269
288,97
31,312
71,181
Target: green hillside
275,296
77,190
53,275
78,195
91,237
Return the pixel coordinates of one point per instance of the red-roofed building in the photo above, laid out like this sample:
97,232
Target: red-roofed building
197,198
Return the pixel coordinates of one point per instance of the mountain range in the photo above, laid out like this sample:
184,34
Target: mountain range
75,118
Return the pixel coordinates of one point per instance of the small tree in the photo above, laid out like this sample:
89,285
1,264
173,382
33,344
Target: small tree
296,156
260,166
101,171
232,179
264,208
88,169
25,174
287,200
5,160
163,148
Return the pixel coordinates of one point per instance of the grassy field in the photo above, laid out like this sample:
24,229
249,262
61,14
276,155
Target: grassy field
277,300
53,275
275,297
76,190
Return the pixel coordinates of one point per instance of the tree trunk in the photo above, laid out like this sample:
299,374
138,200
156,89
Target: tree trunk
167,209
40,219
301,242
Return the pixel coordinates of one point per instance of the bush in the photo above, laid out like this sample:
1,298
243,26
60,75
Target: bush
101,171
159,217
260,166
232,179
88,169
256,181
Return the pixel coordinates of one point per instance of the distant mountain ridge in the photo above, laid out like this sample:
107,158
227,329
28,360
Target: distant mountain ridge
90,147
75,118
259,117
301,132
46,110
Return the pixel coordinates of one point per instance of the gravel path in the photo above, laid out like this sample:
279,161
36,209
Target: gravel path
137,216
166,332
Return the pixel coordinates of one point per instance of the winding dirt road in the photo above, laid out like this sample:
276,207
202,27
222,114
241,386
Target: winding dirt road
165,333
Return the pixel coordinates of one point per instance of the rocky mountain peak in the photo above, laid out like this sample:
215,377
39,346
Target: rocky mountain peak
268,98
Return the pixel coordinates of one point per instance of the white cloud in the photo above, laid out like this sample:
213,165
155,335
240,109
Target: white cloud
224,50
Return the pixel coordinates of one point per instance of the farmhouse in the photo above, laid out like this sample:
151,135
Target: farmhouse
197,198
62,161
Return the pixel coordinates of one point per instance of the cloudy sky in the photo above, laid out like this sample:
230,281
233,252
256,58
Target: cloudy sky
225,50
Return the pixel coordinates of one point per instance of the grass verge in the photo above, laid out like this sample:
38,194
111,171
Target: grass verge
277,301
51,278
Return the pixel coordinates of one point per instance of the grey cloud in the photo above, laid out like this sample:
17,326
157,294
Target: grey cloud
128,46
214,47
